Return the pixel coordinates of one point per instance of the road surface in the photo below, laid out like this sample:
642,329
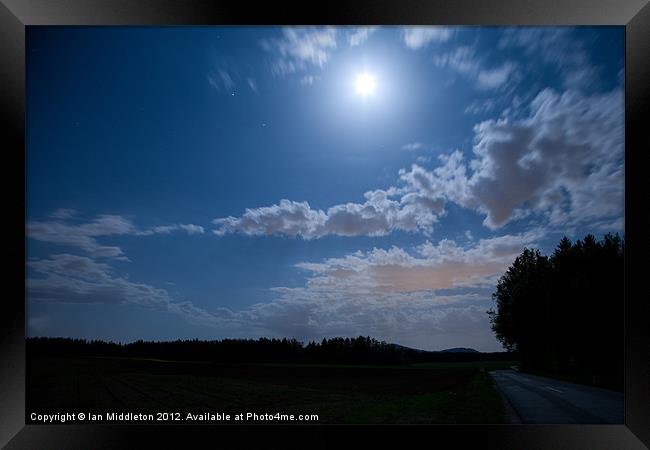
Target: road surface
545,400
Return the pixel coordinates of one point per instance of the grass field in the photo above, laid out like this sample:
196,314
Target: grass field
420,393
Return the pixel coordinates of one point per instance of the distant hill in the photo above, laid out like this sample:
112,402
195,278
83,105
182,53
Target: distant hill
448,350
459,350
411,349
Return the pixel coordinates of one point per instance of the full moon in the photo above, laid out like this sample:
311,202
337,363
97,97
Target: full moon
365,84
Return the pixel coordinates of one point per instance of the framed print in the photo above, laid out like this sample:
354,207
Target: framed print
298,224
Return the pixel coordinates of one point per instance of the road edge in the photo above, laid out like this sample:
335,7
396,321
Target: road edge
511,413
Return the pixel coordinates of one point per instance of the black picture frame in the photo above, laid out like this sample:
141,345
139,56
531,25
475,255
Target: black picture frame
15,15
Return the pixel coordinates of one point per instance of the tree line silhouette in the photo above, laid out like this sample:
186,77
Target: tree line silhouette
338,350
564,313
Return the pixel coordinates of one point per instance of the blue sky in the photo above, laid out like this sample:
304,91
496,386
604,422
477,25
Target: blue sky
311,182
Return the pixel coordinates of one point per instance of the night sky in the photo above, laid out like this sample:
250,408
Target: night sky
212,182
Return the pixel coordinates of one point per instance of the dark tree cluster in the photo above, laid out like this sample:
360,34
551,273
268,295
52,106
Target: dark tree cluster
564,313
360,350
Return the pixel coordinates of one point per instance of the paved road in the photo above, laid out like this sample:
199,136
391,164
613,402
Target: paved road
545,400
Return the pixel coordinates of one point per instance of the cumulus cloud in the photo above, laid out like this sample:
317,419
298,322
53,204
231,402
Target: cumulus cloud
564,160
288,218
445,265
84,235
449,180
419,37
377,216
301,48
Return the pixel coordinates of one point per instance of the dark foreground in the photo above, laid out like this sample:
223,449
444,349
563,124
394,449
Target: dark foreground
538,399
419,393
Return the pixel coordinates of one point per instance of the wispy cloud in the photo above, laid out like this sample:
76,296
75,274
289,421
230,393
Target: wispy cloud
301,49
84,236
191,228
63,213
412,146
419,37
483,106
358,36
308,80
557,47
462,59
469,64
65,278
495,77
167,229
221,80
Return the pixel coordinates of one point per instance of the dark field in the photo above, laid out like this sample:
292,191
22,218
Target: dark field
419,393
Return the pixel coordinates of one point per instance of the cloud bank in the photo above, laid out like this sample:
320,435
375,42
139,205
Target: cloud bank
437,294
445,265
562,161
66,278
